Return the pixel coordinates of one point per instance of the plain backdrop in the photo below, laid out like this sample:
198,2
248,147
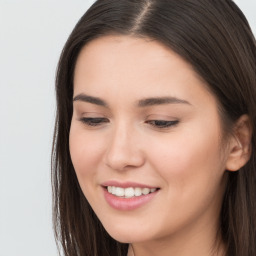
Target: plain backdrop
32,34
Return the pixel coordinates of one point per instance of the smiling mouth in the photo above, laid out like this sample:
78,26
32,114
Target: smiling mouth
129,192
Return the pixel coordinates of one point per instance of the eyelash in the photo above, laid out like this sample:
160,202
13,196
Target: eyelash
94,121
161,124
97,121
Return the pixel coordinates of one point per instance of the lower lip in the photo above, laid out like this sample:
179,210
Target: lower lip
127,204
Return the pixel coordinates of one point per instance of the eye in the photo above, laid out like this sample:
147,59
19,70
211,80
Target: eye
162,123
94,121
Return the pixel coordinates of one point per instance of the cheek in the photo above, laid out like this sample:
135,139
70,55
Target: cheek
193,175
188,161
85,152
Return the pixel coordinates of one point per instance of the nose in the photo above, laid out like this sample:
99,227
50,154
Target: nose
124,149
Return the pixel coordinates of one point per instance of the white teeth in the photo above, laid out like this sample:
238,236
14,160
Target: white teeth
119,192
137,192
145,191
113,190
129,192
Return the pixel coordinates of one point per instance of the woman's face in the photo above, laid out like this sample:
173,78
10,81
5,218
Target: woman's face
145,141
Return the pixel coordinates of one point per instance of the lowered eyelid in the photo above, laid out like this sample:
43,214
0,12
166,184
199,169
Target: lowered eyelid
92,114
161,117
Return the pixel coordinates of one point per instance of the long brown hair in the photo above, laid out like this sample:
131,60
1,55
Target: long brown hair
215,38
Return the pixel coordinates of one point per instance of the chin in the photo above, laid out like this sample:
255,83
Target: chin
128,235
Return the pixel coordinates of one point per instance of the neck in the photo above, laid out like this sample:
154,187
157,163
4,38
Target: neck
181,249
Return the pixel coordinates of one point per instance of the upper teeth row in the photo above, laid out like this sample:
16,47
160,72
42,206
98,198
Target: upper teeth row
129,192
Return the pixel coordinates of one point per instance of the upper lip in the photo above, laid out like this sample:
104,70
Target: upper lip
127,184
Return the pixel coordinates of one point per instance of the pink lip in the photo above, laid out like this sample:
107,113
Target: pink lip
127,204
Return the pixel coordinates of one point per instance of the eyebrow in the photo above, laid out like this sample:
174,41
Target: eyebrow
161,101
90,99
141,103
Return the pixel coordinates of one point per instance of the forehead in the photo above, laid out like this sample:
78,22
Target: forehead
124,65
127,50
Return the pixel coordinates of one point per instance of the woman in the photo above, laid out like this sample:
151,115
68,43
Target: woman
154,146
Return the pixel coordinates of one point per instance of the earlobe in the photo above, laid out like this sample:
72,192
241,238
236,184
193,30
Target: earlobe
240,144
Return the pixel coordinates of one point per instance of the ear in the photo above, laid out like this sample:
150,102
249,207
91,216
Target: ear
239,150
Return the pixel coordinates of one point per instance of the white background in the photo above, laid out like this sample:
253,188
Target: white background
32,34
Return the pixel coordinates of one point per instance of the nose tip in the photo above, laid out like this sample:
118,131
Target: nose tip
117,161
123,153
